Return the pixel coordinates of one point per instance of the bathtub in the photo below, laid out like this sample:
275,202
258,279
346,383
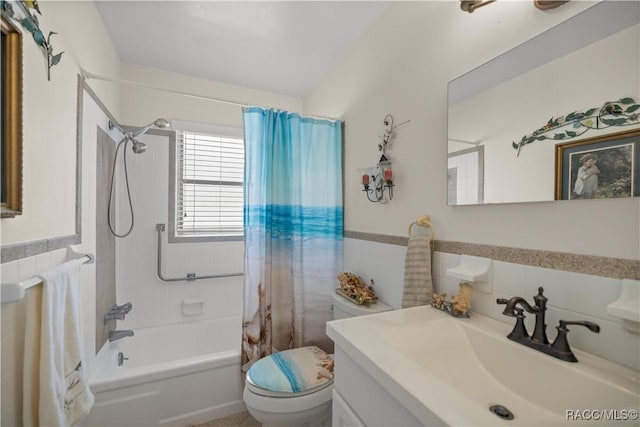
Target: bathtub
175,375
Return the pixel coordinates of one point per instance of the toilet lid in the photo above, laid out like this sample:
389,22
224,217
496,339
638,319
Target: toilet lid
291,372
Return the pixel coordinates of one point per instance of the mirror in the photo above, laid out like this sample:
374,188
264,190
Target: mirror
582,63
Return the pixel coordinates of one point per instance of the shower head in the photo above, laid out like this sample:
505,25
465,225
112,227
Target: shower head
138,147
159,123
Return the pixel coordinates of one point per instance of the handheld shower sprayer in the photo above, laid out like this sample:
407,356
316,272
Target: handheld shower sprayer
137,147
159,123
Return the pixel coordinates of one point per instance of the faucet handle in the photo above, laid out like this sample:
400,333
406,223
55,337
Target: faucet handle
560,346
126,307
593,327
117,312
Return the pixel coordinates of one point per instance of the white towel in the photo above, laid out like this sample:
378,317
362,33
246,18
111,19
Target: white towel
418,284
56,392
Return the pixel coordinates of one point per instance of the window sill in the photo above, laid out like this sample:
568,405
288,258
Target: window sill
205,239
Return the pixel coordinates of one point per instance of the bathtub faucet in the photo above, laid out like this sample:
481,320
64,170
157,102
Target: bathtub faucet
116,335
117,312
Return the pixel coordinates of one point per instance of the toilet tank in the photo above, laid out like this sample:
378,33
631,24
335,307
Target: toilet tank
343,308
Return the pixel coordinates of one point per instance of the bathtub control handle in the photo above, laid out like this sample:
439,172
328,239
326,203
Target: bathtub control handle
121,359
117,312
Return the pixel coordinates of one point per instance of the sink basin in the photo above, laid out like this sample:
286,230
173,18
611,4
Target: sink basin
456,369
487,367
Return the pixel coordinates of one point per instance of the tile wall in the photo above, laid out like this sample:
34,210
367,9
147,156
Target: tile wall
157,303
13,325
572,296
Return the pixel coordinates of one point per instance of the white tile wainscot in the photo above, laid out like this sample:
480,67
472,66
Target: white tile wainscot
572,296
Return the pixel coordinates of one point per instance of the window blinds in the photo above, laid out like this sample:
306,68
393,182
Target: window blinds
209,197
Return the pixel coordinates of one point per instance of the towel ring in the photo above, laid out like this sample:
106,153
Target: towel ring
423,221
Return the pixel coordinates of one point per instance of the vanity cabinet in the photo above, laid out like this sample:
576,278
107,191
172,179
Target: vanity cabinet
342,414
360,401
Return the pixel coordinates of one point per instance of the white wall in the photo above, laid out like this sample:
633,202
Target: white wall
402,66
384,263
49,171
140,106
49,117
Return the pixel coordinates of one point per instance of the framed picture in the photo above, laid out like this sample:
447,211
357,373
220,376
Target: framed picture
604,167
11,129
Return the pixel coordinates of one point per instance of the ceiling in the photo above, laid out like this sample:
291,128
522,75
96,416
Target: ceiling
283,47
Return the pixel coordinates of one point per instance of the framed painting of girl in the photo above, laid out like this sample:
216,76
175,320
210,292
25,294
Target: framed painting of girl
603,167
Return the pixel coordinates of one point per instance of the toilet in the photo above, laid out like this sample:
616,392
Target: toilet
292,387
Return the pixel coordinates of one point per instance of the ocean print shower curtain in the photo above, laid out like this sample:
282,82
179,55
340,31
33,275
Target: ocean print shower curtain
293,222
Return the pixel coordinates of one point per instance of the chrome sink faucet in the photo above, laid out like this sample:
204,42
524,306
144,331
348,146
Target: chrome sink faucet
560,348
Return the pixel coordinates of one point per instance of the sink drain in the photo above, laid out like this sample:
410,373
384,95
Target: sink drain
502,412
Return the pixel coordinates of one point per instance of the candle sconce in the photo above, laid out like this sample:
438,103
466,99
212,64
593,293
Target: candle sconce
376,179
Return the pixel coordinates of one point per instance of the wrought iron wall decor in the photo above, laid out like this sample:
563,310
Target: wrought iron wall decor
378,178
623,112
29,22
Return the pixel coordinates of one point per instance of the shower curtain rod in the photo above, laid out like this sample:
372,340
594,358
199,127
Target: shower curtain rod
86,75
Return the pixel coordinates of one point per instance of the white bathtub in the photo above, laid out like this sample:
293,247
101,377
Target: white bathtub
176,375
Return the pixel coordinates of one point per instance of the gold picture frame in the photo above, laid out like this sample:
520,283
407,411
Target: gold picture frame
11,197
606,166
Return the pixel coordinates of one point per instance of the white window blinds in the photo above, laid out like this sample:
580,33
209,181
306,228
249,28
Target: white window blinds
209,196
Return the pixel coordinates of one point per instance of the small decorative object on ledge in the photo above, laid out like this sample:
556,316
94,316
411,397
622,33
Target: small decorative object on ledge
623,112
459,305
29,22
352,288
377,178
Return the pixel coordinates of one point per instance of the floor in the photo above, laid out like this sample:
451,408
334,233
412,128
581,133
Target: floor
243,419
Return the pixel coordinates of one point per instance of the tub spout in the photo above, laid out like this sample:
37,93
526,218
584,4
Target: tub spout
116,335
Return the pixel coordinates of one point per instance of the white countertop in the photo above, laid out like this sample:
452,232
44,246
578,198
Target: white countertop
387,348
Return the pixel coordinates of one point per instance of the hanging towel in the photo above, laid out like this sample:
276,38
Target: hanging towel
55,392
418,284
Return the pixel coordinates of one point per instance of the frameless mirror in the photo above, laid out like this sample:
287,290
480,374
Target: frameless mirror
573,68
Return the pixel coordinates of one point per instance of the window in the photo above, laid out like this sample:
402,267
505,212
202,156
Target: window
209,171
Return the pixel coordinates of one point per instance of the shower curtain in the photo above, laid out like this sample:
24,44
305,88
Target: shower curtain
293,222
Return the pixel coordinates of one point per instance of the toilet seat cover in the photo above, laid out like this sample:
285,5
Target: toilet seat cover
298,371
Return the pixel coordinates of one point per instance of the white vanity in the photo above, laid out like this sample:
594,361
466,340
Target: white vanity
420,366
